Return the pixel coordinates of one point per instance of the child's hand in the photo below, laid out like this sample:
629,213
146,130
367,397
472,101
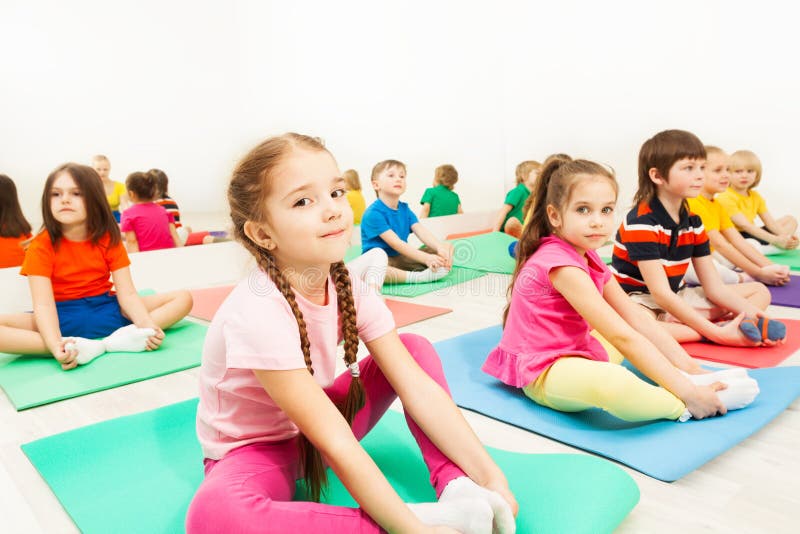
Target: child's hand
154,341
730,334
785,241
705,402
446,253
773,275
794,241
67,358
434,261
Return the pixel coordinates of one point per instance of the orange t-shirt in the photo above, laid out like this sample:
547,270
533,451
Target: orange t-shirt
11,253
77,269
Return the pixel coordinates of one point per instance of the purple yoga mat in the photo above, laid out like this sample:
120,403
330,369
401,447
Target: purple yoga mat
788,295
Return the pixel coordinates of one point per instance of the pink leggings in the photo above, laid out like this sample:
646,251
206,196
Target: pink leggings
251,488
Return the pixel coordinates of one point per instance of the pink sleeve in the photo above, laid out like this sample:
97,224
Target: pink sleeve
373,318
262,334
171,217
125,221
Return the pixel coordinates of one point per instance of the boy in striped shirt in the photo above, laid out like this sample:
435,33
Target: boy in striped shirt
660,237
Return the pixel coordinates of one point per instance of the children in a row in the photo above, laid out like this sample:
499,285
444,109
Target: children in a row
271,408
735,258
561,289
68,265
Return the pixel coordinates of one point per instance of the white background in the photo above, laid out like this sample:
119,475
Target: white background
190,86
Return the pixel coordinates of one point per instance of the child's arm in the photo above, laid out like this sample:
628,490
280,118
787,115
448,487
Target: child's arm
425,211
443,249
300,397
133,307
501,216
460,209
174,233
721,244
394,241
131,243
46,316
636,343
437,415
657,283
745,225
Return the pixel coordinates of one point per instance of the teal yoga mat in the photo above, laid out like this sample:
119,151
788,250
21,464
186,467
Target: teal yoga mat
665,450
139,473
787,257
457,275
485,252
35,380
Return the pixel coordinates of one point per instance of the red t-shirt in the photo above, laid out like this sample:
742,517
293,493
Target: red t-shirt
77,269
11,253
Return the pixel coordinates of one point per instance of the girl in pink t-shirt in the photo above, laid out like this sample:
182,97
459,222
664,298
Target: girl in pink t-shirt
561,289
146,225
271,407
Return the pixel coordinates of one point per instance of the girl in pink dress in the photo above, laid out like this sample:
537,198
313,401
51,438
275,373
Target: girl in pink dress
562,289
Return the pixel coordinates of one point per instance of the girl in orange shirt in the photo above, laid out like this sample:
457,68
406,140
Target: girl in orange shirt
14,227
68,266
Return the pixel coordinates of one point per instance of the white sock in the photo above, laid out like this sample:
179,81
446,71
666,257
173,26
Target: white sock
128,339
740,393
370,267
468,516
724,376
88,349
465,487
428,275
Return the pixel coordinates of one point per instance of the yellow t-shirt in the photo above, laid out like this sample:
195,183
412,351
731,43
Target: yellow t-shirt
751,205
357,204
113,198
711,213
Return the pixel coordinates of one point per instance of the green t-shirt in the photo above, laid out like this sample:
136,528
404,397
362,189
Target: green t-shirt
443,201
516,199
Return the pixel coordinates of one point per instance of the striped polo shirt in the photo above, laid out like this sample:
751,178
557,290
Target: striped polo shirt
649,233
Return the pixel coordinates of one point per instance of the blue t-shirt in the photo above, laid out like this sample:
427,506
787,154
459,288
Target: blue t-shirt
378,218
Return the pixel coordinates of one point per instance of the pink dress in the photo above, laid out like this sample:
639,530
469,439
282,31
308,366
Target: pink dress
542,326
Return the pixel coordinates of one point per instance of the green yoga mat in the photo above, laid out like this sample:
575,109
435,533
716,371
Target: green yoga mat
35,380
456,276
787,257
139,473
485,252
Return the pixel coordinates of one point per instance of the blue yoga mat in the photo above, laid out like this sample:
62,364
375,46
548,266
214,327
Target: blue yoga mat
665,450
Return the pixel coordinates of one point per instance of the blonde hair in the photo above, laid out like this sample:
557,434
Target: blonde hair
711,149
247,192
351,180
553,188
524,169
745,159
100,157
446,175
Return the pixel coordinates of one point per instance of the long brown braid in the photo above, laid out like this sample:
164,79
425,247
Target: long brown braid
246,195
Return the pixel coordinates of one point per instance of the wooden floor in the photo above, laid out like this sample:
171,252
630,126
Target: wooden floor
754,487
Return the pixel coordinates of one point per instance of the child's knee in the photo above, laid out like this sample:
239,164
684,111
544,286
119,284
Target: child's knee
185,300
422,351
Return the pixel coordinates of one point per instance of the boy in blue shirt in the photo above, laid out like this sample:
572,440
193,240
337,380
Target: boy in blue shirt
387,223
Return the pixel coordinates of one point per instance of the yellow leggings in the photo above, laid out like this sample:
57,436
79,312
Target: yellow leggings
573,384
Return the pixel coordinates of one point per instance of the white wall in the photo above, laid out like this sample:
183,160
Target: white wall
190,86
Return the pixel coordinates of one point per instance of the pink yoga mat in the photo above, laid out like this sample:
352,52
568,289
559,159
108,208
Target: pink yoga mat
208,300
788,295
750,357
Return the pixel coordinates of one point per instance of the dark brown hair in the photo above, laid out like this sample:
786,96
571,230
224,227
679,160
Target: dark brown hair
12,221
553,188
99,219
447,175
162,182
247,193
143,185
661,152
